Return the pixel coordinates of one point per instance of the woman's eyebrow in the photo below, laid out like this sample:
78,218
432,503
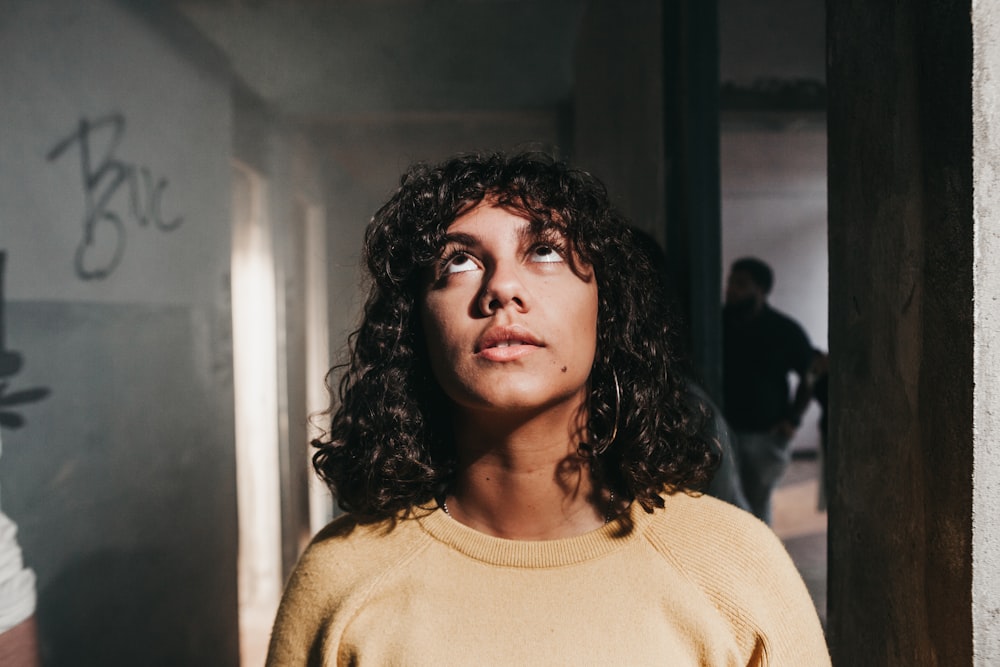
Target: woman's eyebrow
533,233
458,238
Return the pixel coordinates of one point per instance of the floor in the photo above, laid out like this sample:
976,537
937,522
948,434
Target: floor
802,527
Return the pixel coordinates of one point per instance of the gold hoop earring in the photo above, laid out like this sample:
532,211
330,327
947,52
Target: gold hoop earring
614,428
618,404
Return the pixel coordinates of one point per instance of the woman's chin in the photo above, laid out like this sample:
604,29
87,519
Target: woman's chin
516,401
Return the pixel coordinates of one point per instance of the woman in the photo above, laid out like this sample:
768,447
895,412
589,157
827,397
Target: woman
517,459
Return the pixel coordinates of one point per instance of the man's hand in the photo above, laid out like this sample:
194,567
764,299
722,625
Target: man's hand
19,645
785,429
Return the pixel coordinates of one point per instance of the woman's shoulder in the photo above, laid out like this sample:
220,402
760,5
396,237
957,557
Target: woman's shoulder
707,533
348,554
686,512
350,542
338,569
725,551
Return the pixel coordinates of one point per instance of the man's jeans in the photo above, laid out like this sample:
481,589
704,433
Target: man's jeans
763,459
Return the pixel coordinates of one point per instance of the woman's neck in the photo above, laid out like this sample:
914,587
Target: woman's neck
525,479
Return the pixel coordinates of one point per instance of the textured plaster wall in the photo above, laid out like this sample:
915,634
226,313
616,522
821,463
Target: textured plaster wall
986,414
901,332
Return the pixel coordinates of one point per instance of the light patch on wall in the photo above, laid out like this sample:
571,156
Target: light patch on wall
317,351
256,396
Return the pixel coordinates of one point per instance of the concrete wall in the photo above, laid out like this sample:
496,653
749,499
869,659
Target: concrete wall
904,335
618,107
122,478
763,40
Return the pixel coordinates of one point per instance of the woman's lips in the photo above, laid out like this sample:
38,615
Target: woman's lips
506,352
507,343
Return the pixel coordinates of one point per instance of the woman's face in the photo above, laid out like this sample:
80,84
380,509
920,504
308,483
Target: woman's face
510,326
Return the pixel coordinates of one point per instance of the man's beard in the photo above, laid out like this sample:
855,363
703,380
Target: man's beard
740,310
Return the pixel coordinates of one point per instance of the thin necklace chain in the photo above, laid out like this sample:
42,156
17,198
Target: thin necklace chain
608,513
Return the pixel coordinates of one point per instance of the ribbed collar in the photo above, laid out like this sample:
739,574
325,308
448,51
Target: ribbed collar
616,535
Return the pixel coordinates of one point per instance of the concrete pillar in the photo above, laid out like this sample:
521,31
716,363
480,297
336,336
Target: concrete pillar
986,351
691,142
913,553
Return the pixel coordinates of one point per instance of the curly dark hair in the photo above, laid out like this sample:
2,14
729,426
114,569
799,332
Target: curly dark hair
389,446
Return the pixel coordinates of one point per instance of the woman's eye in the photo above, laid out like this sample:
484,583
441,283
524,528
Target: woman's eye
459,264
545,253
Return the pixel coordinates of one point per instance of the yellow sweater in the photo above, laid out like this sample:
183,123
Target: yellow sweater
696,583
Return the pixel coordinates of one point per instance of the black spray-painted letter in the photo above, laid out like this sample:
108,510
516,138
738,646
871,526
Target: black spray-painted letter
103,243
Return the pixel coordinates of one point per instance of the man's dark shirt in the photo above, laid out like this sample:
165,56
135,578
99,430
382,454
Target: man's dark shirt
757,355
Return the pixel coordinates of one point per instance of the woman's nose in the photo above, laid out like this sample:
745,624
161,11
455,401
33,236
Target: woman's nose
503,289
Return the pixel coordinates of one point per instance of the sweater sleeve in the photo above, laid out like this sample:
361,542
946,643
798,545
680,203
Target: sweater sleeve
306,626
781,610
300,627
17,583
331,582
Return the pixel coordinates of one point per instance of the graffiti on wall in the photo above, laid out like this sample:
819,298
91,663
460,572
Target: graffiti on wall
103,175
10,365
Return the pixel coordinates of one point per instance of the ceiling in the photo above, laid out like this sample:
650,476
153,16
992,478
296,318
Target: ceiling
316,59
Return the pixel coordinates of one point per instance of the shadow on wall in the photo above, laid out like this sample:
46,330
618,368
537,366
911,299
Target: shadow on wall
150,628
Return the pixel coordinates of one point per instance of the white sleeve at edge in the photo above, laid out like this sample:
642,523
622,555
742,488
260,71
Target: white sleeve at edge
17,583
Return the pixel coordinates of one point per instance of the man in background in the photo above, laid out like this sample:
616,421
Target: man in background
761,346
